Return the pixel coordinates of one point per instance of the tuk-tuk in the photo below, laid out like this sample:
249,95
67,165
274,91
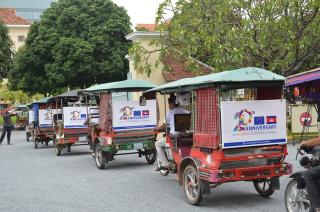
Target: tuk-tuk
42,122
236,131
70,116
30,125
125,126
20,111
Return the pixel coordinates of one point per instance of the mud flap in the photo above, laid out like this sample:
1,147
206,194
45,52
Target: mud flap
275,182
205,187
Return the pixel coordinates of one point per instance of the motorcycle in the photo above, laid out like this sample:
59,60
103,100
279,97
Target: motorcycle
296,195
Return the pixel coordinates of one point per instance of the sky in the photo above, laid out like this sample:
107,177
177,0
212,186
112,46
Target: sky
140,11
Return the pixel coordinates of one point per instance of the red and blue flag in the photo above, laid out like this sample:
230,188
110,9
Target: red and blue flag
145,113
271,119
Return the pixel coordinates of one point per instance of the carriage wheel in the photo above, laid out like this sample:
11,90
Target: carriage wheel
57,149
191,184
264,187
69,148
99,156
35,142
151,156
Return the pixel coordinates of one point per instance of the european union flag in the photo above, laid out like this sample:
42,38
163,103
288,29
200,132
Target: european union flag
83,116
137,113
259,120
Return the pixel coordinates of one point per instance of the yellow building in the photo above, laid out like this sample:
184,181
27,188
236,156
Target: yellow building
158,76
18,27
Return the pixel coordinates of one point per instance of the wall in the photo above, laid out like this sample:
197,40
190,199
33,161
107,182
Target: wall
156,75
14,32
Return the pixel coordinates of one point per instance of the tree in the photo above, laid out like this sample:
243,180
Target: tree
5,51
281,36
14,97
76,43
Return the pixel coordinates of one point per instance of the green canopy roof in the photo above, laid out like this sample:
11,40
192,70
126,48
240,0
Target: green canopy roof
41,101
67,95
125,85
244,75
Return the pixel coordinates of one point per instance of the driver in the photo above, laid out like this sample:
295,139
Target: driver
173,109
312,176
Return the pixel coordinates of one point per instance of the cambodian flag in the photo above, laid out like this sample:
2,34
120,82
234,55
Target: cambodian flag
259,120
271,119
145,112
137,113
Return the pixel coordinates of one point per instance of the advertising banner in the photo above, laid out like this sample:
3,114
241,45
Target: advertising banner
74,117
46,117
300,117
30,116
253,123
129,115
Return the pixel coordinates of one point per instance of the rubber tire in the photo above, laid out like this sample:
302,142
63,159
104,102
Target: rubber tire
100,159
198,198
56,149
27,137
69,148
153,159
264,193
292,181
35,143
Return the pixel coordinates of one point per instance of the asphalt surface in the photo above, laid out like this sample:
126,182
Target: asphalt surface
37,180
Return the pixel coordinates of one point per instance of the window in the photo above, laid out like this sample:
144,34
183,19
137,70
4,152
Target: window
21,38
243,94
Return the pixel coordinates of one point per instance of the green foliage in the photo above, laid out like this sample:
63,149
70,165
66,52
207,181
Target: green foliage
5,51
281,36
13,118
76,43
14,97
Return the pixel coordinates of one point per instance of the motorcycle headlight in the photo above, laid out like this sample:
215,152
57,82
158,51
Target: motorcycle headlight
304,161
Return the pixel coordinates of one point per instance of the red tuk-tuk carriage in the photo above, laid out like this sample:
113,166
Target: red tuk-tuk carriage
236,131
125,126
42,122
70,116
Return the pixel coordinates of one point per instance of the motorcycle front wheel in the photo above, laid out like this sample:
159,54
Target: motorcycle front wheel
296,199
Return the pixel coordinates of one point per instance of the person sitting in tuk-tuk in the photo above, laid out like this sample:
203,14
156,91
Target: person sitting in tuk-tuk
173,109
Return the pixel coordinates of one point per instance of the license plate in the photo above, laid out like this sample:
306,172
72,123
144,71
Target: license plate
138,146
83,138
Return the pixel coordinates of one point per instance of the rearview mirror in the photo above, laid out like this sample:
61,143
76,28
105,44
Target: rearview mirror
142,101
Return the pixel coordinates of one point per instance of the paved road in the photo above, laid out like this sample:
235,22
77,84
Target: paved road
38,180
